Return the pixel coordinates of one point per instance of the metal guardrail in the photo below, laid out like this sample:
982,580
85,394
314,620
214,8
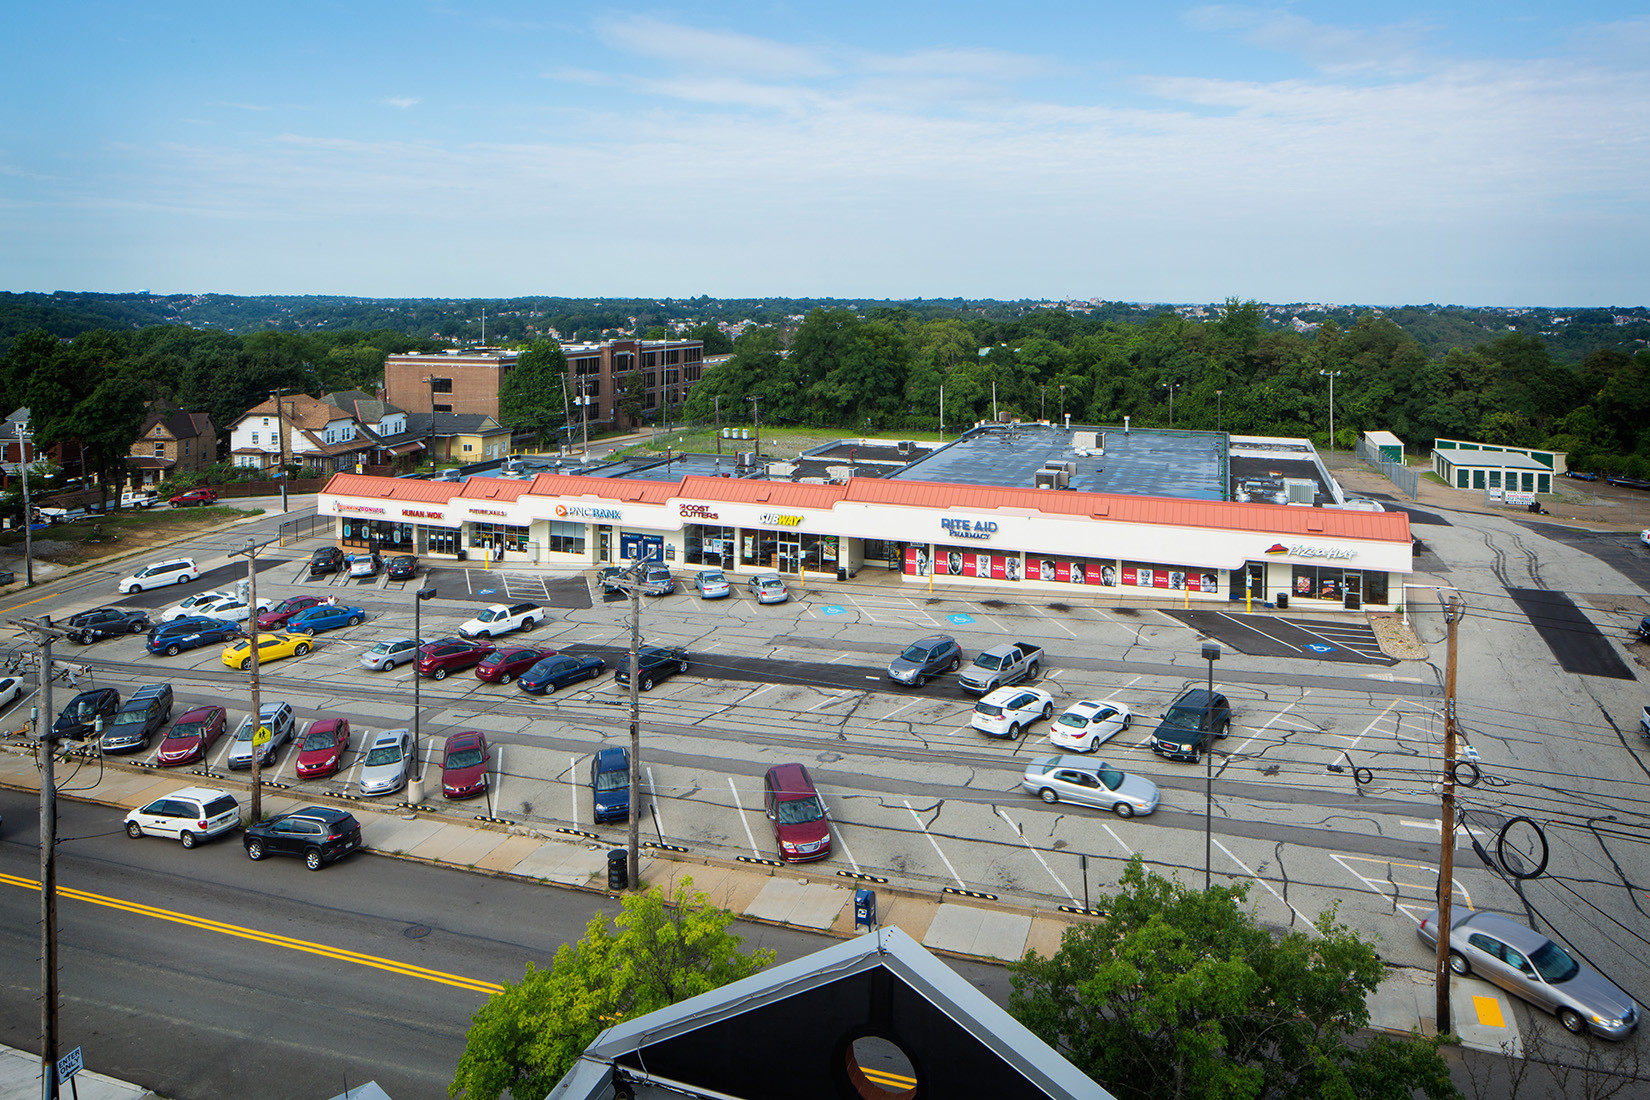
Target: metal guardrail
1407,481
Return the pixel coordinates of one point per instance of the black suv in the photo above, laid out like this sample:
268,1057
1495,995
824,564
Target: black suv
103,622
1191,722
316,833
653,663
83,711
328,559
145,711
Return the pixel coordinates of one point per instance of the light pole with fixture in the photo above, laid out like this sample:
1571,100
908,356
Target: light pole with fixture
1062,403
1217,409
1211,654
418,651
1331,375
1171,387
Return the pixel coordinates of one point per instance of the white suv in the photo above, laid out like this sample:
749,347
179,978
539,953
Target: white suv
189,815
176,571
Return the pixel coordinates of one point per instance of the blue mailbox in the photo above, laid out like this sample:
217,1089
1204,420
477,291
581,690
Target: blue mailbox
865,909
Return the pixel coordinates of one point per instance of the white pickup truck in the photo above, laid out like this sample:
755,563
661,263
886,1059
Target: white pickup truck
139,498
1000,666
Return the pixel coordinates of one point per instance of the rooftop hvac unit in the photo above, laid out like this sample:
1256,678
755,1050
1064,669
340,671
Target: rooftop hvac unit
781,469
904,446
1301,490
747,458
1064,465
1046,479
1084,439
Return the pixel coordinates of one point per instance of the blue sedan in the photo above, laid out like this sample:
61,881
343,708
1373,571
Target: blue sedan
323,617
559,671
190,632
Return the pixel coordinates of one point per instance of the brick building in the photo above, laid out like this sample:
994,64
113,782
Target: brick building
601,373
465,382
172,442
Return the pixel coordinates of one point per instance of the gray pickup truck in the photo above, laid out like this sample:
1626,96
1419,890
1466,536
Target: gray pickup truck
1000,666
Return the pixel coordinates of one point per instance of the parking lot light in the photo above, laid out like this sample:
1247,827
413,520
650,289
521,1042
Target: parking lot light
1211,654
415,794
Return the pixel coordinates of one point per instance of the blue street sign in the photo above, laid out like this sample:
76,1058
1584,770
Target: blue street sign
960,620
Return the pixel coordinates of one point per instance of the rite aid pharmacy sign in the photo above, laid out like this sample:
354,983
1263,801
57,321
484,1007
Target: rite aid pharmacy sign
959,528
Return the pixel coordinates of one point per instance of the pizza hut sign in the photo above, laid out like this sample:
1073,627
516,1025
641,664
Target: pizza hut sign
1301,550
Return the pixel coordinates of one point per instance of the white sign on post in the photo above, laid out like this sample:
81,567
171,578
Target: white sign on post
69,1065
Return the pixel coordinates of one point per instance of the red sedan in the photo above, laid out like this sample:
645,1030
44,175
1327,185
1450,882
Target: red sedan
194,496
506,664
325,744
464,765
275,618
192,736
437,659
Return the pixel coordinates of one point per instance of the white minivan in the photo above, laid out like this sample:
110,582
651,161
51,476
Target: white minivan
175,571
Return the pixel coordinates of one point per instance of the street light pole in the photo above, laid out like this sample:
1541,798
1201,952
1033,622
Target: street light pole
1211,654
1217,409
1331,375
250,552
1171,387
418,648
24,435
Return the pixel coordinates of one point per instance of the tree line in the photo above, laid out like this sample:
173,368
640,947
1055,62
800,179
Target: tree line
884,372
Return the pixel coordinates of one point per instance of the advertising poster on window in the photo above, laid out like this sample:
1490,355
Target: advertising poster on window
916,561
1066,571
1173,577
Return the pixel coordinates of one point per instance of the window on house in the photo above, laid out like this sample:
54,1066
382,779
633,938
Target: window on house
254,439
158,429
468,448
266,421
443,408
160,449
441,385
186,444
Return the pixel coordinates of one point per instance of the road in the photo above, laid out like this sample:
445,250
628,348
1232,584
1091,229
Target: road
917,797
204,975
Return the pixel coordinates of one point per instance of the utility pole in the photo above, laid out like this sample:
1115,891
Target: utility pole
1446,845
631,581
250,552
584,421
280,451
756,420
45,733
24,435
1331,375
718,424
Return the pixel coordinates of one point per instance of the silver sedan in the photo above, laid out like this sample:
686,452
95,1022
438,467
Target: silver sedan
1090,783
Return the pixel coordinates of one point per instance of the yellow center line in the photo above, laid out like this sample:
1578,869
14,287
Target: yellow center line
37,599
273,939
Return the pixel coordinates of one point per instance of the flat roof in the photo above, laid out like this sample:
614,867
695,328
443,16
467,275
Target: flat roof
1139,462
1501,460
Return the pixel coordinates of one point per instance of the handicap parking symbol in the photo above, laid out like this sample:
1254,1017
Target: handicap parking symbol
834,609
485,591
1315,648
960,620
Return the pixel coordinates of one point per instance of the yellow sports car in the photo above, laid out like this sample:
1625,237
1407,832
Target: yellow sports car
271,647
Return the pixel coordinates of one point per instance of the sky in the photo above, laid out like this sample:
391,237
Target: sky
1467,153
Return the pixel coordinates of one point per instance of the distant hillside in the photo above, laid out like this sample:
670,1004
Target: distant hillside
1569,334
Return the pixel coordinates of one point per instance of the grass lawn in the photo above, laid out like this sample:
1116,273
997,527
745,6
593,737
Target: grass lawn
119,532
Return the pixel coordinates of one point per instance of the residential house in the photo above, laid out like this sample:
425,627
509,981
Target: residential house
173,441
66,454
315,434
461,437
398,448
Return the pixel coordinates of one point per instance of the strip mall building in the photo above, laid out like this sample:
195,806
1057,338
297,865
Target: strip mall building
982,536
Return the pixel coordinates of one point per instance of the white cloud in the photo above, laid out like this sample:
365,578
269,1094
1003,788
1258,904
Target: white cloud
716,51
401,101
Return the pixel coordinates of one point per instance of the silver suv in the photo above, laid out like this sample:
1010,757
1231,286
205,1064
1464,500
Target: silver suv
281,724
925,658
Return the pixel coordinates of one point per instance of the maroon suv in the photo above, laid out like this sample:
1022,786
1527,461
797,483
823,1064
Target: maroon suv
506,664
437,659
797,812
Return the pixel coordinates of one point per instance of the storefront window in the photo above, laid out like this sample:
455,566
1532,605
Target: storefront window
566,538
1175,577
1320,582
385,535
963,561
499,536
704,545
442,540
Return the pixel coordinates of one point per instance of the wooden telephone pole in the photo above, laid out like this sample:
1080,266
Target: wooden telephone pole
1446,850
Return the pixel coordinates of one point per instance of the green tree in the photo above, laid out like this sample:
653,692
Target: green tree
1179,993
526,1038
533,395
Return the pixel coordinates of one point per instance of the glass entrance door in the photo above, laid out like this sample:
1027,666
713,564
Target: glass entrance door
790,554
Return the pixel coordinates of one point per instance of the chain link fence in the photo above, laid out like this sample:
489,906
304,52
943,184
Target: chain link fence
1408,481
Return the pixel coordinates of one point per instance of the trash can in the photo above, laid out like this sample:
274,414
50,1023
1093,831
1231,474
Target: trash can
463,554
618,869
1283,601
841,573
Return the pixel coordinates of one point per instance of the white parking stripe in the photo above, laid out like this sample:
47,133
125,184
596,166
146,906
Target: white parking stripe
498,778
740,807
1257,630
1045,615
1304,919
1019,832
1119,840
1239,750
961,885
1352,743
907,706
573,789
836,831
653,802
